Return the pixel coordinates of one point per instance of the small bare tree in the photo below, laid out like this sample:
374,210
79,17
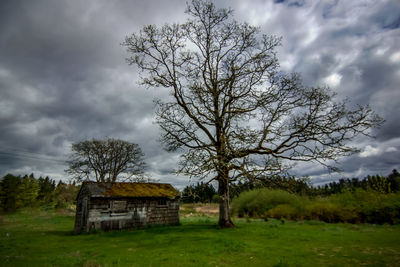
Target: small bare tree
233,113
106,161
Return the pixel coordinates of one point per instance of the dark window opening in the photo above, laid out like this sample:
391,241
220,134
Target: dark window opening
162,202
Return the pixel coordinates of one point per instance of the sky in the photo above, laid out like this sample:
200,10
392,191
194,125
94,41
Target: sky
64,76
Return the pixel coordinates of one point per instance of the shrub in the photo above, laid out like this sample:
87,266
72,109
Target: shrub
257,202
282,211
328,211
370,206
360,206
386,209
321,210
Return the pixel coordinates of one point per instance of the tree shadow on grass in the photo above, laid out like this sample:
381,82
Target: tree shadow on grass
192,227
59,232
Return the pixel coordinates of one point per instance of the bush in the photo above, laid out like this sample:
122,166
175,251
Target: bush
370,206
323,211
257,202
386,209
331,212
282,211
360,206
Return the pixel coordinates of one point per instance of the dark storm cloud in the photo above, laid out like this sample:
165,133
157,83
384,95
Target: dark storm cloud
380,162
63,78
63,75
387,16
351,46
290,3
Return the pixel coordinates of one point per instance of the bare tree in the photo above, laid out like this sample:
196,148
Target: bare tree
232,112
106,161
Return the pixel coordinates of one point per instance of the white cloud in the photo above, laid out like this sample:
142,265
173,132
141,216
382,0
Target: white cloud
384,147
312,30
395,58
257,16
370,151
391,149
333,80
381,51
288,62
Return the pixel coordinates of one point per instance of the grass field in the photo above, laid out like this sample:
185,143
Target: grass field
45,239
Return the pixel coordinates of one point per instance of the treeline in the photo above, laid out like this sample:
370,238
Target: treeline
303,186
199,193
290,184
378,183
206,193
27,191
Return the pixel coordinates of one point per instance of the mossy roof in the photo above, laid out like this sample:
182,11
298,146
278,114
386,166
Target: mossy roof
129,190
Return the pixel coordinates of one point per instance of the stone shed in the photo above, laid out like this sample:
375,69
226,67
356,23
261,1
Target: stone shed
115,206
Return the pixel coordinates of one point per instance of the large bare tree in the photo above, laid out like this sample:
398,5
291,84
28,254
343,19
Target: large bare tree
108,160
232,112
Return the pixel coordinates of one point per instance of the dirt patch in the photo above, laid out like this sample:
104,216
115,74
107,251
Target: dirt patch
188,210
207,209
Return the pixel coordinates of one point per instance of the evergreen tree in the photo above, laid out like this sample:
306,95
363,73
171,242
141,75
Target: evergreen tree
394,179
28,191
9,193
198,193
47,187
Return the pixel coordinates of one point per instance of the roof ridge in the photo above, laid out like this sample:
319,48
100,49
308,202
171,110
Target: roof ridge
129,189
93,182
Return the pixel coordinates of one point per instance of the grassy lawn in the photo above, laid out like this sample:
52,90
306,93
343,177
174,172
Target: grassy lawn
45,239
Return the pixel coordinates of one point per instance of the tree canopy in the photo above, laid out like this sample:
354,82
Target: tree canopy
232,112
106,161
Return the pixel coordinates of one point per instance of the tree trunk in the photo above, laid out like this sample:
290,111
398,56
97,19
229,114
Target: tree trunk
224,213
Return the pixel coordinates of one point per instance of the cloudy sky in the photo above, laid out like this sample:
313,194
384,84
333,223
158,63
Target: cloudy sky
64,78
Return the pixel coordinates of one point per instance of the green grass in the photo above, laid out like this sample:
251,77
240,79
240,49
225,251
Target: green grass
45,239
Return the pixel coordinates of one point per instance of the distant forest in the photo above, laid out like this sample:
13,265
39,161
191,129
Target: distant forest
27,191
203,192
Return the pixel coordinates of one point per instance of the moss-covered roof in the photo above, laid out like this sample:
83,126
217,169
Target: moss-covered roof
129,190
